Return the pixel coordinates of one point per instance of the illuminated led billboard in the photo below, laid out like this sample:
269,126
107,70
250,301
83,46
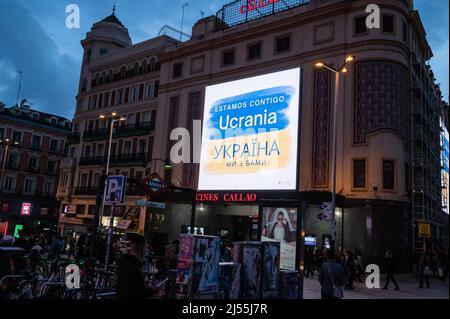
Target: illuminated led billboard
250,133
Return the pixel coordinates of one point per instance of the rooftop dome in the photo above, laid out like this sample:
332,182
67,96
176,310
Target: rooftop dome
112,18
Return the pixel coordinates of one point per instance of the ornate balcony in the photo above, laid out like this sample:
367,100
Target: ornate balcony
85,190
95,135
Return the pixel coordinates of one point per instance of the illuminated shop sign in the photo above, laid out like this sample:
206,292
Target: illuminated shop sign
242,11
26,209
226,197
445,168
250,133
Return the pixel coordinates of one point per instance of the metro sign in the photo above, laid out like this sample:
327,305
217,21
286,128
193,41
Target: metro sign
153,184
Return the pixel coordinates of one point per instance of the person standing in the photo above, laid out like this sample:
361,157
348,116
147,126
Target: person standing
425,270
332,277
350,262
84,244
390,270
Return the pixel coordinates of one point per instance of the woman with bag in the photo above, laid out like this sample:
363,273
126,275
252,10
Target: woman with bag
425,270
332,277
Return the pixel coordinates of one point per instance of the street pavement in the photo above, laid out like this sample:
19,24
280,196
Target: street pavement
408,289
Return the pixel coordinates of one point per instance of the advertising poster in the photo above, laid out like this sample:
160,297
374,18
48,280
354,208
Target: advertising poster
280,224
250,132
185,252
206,268
271,267
252,269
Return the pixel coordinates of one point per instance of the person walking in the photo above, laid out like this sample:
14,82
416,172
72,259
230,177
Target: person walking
390,270
358,265
350,262
130,280
425,270
309,262
332,277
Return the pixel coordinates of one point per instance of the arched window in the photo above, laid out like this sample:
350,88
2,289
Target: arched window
136,68
143,67
103,79
123,72
151,66
109,78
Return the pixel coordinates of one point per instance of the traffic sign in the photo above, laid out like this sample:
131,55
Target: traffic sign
153,184
115,189
146,203
424,230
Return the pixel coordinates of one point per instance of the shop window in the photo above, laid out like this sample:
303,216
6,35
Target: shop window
359,173
388,174
283,44
360,26
254,51
228,57
388,24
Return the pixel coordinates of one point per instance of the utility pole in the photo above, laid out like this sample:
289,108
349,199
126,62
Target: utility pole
18,89
182,20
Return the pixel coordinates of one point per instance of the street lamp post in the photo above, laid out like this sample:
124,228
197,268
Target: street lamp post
337,72
114,119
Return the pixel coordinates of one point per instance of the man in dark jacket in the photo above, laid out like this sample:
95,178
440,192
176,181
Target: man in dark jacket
390,270
130,280
331,276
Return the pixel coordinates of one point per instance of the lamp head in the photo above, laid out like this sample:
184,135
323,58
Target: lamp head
349,58
167,165
102,116
114,113
319,65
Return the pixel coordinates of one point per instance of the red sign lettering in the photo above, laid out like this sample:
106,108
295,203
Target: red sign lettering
254,5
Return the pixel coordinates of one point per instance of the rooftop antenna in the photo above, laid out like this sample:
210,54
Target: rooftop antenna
114,9
182,20
18,89
203,14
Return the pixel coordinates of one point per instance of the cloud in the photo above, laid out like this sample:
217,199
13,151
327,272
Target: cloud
49,76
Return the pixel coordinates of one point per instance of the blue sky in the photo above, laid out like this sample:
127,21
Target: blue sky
34,39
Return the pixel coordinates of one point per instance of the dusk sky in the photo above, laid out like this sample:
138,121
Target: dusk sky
34,39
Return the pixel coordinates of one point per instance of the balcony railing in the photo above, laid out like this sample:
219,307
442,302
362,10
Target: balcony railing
134,129
92,160
132,159
120,131
73,138
86,190
94,135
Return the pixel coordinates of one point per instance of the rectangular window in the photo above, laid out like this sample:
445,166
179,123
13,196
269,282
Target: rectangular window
106,100
17,138
36,142
83,182
388,175
283,44
120,97
32,164
48,188
29,186
51,166
13,161
149,90
10,184
388,24
228,57
134,94
54,146
64,177
254,51
127,147
146,116
177,70
2,134
359,173
360,25
405,32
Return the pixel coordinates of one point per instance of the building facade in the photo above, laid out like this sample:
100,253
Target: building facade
116,76
32,145
377,172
